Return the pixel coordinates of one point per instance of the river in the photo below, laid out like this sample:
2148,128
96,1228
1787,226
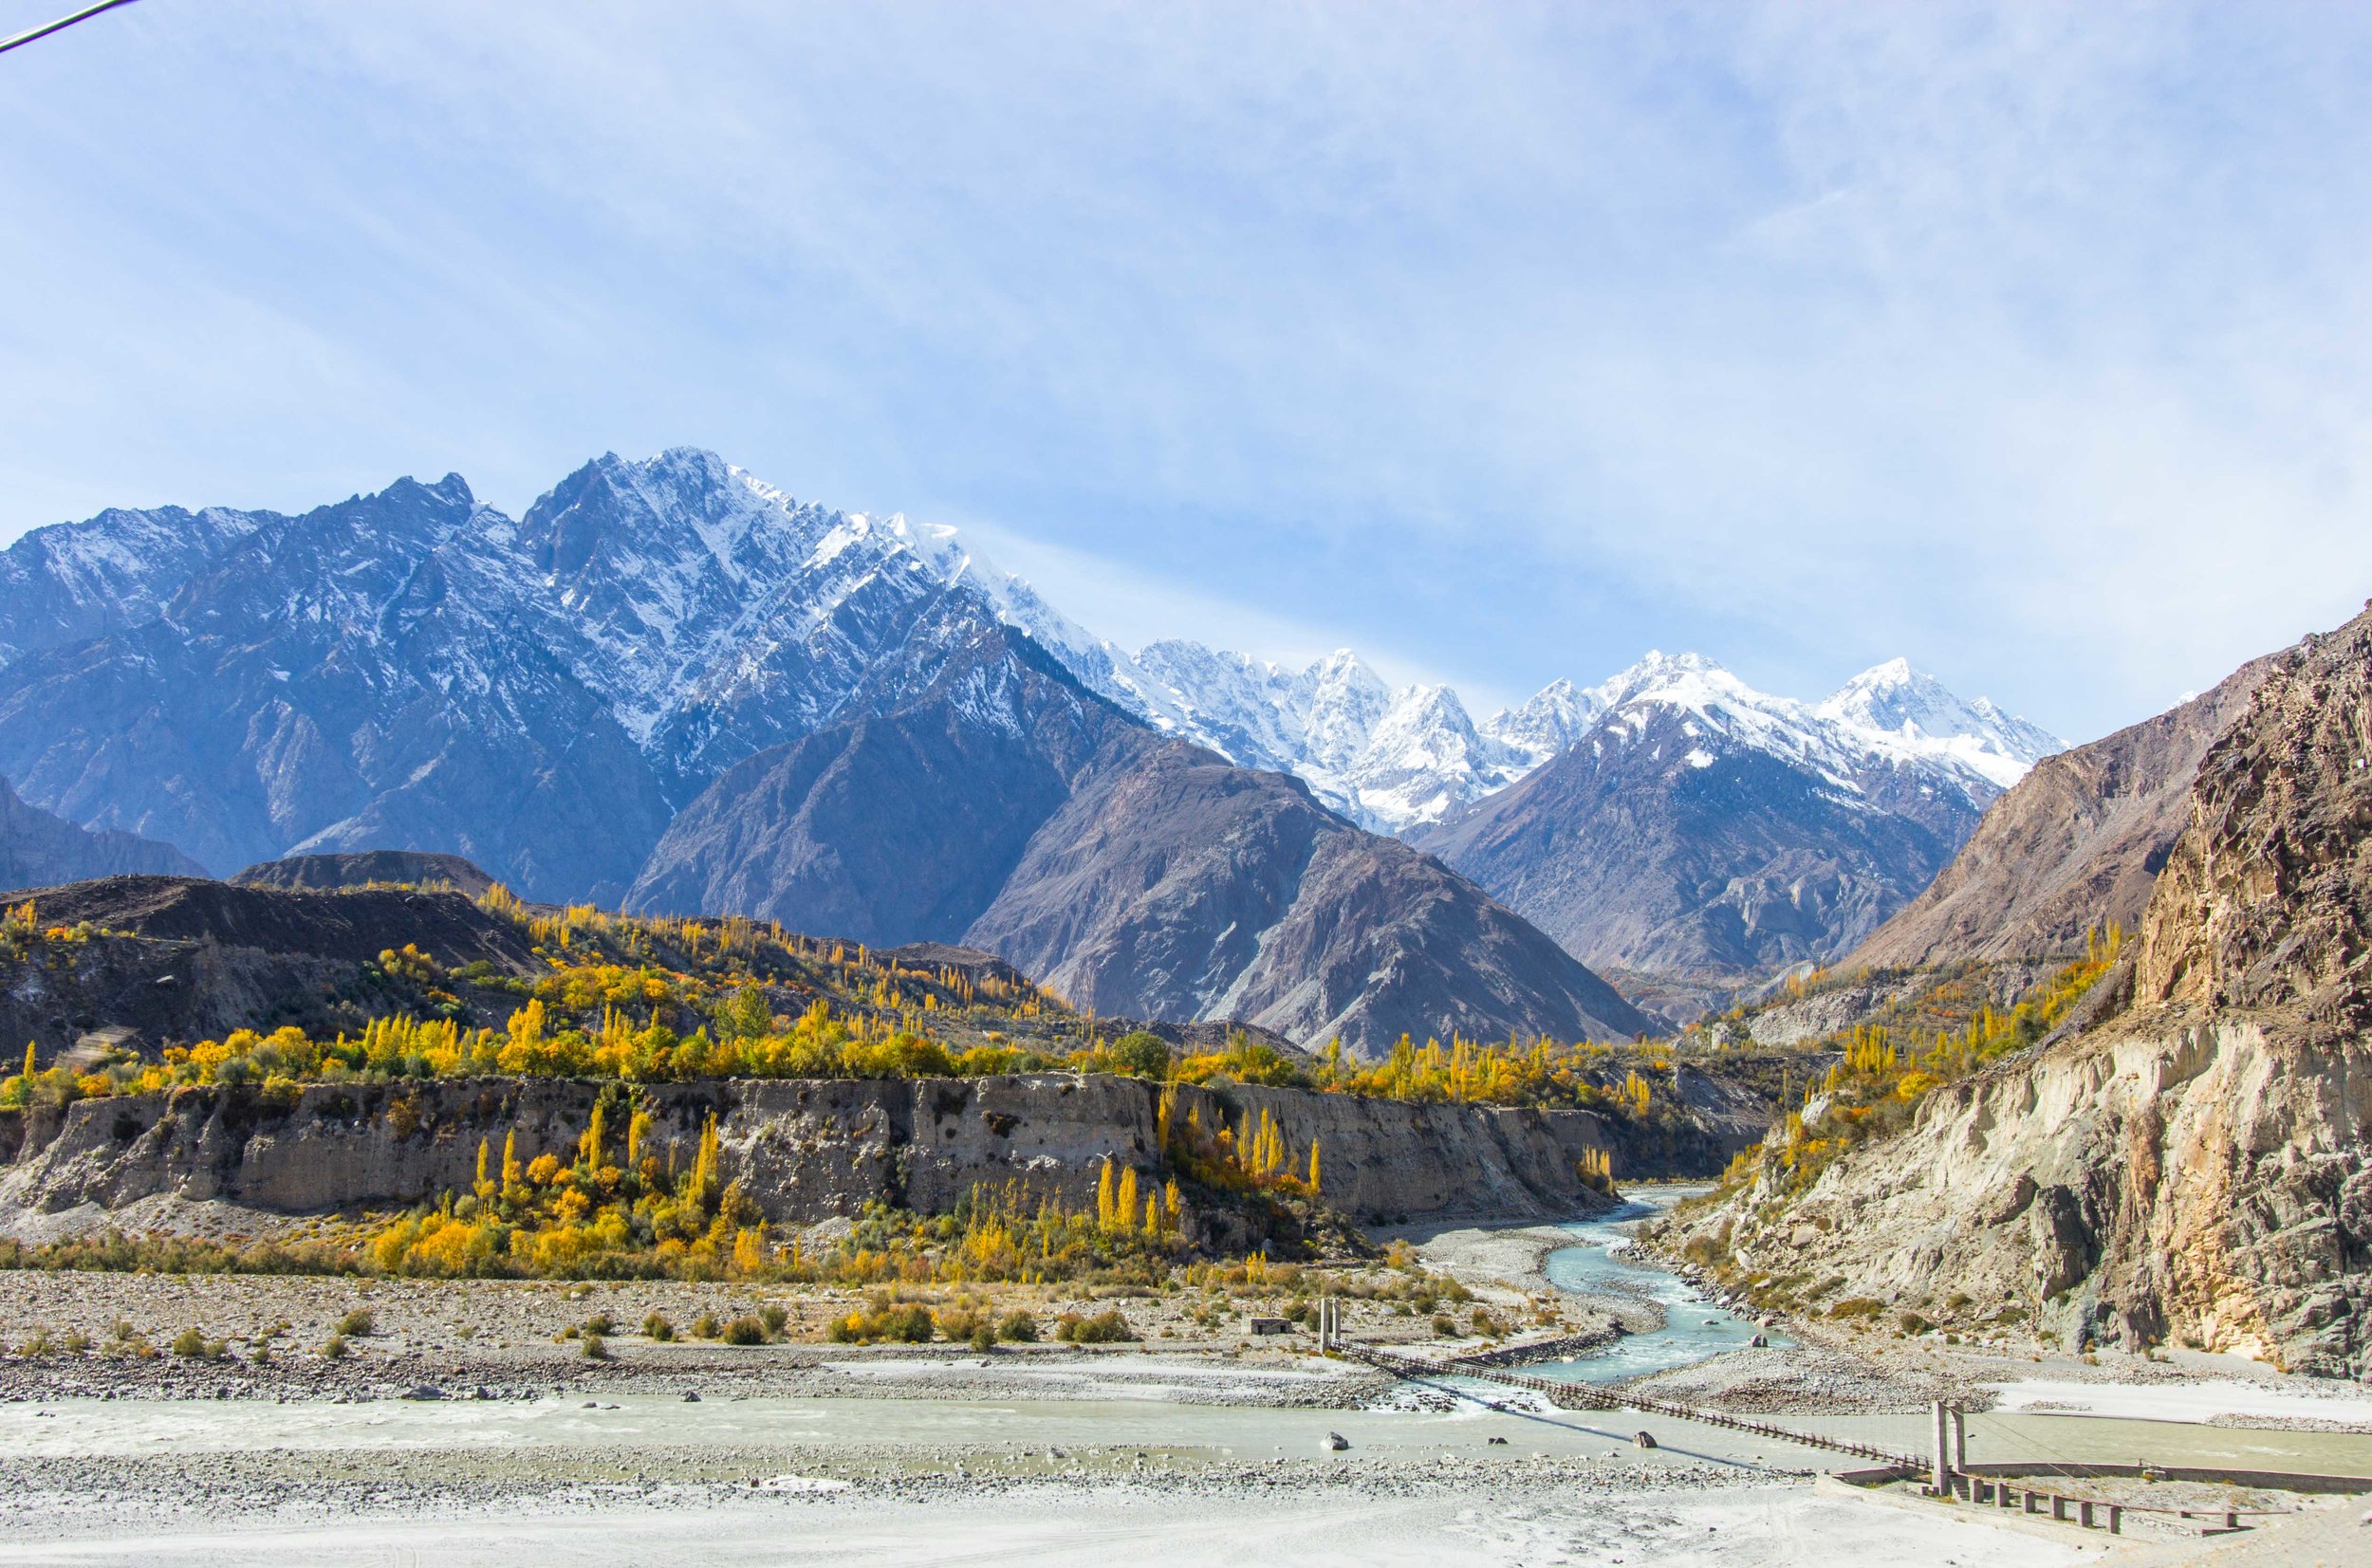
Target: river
1602,1263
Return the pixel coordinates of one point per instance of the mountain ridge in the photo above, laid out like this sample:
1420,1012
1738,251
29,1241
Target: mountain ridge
1703,830
548,695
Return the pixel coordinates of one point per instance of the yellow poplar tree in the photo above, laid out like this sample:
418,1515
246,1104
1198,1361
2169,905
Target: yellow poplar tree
1313,1168
1103,1198
589,1146
704,1160
1124,1200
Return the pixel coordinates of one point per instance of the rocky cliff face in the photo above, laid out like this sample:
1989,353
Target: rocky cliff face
2077,842
802,1150
2192,1158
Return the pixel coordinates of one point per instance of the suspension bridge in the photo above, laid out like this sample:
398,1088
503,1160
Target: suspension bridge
1945,1467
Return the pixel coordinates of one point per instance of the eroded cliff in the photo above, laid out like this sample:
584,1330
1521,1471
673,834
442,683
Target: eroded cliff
2190,1159
802,1151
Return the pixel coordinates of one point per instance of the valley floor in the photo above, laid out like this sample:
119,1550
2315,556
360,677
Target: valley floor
1203,1444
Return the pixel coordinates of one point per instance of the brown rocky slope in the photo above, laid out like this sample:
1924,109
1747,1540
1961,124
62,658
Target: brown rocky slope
2075,843
985,798
2191,1158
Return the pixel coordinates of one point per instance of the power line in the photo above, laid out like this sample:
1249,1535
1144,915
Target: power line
60,25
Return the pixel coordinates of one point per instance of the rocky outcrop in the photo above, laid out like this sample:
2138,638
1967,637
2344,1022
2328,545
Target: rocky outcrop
366,868
181,959
353,926
2076,843
2205,1185
802,1151
2190,1157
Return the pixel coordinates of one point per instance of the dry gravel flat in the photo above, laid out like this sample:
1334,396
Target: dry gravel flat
511,1337
465,1428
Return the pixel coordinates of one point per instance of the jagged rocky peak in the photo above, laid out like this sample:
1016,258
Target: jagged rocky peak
1346,702
1914,707
1550,720
683,508
2266,900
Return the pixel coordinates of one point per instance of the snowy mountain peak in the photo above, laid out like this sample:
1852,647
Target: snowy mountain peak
712,615
1550,720
1914,710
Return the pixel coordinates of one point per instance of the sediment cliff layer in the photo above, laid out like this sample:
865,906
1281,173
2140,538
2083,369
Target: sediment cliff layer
802,1151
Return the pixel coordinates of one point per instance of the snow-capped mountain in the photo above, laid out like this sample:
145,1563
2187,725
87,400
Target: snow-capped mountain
1696,826
413,668
1890,732
1386,759
1397,761
673,685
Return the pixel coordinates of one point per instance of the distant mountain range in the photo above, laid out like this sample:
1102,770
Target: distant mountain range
1396,761
1697,828
670,686
38,849
648,689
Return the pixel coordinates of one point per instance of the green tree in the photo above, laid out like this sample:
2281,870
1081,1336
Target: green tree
1140,1053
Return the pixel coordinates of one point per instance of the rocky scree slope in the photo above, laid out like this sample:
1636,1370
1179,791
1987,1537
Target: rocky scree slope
2075,843
2190,1159
987,797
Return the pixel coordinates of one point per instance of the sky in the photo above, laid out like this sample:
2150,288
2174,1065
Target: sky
1498,341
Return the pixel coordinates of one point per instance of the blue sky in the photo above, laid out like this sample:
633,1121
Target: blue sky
1498,341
